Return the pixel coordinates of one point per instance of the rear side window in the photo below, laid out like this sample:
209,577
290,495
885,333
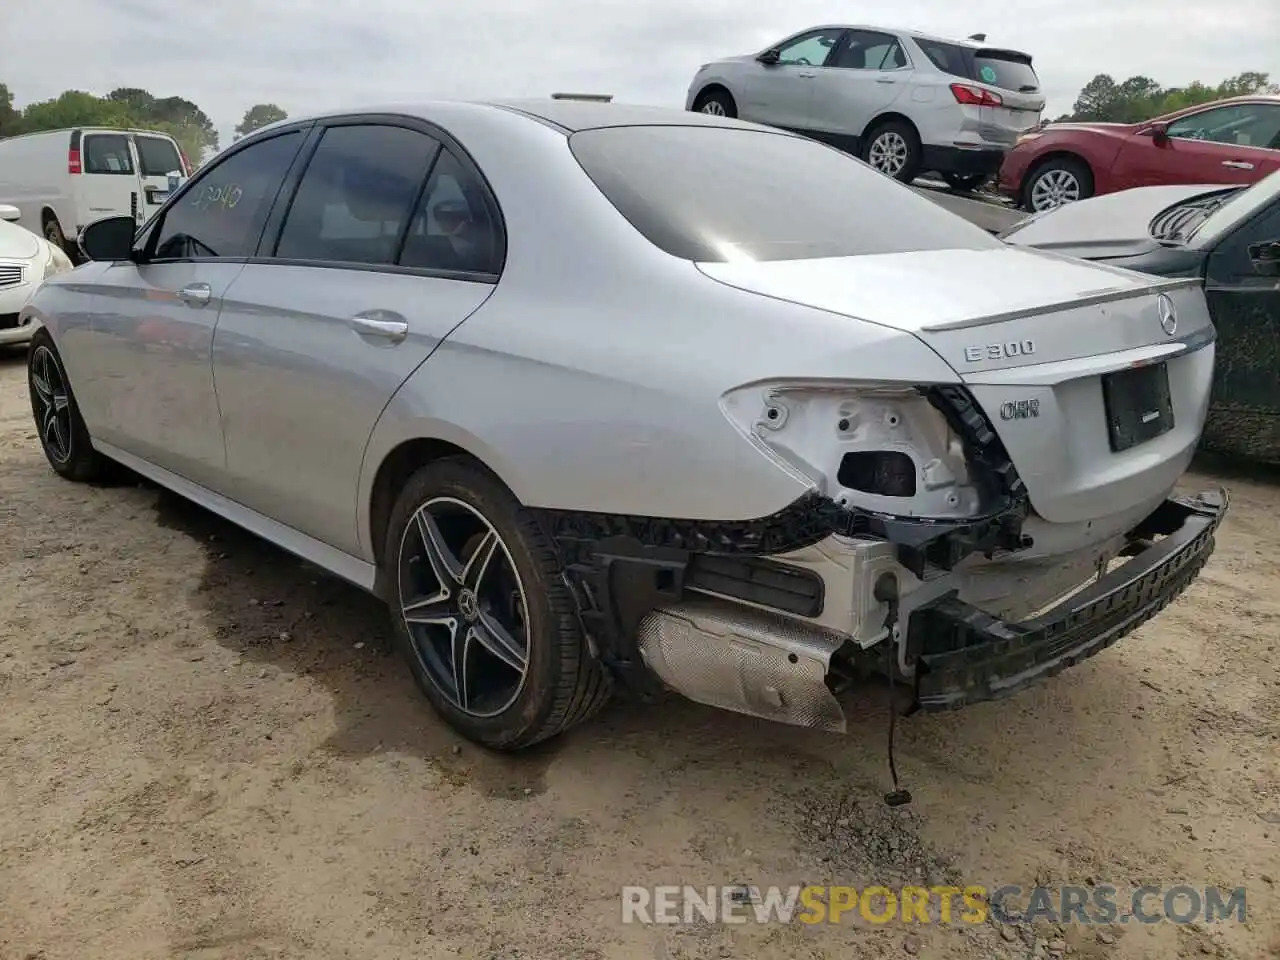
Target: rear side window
221,215
107,153
357,195
717,194
456,227
157,156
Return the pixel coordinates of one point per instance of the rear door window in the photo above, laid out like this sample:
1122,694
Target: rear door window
357,195
868,50
157,156
222,213
107,153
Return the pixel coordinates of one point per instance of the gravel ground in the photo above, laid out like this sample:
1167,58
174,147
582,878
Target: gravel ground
205,753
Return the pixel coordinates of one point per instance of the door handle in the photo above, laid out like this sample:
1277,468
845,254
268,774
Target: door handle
885,80
1237,164
382,324
195,294
807,76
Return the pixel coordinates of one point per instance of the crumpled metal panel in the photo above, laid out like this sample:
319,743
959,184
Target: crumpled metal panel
744,660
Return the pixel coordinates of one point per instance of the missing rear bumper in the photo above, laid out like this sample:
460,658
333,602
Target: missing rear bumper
965,656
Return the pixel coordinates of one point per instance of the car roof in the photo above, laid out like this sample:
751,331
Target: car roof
575,115
567,116
914,34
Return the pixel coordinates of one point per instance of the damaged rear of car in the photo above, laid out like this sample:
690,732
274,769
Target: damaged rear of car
968,526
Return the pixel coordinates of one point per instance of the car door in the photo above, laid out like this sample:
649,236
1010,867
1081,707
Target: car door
153,320
867,72
390,241
160,171
1236,143
1245,307
781,93
108,182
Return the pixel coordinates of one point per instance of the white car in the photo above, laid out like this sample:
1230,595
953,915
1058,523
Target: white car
25,260
903,101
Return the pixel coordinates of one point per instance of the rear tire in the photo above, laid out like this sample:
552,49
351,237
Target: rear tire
893,148
1056,182
715,103
63,434
495,644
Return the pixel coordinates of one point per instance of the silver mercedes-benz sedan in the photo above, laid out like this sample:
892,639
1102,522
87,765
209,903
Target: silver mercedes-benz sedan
592,393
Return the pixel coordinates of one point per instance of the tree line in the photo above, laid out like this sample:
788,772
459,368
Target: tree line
1102,99
127,107
1141,98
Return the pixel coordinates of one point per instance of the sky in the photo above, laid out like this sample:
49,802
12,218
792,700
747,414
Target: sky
311,55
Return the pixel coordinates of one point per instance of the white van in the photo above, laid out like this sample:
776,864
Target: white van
63,180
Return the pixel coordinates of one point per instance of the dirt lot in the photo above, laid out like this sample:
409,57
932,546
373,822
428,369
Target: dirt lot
204,753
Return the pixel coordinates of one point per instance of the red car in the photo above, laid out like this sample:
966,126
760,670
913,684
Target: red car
1235,141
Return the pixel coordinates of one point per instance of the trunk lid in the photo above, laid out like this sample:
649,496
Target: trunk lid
1034,335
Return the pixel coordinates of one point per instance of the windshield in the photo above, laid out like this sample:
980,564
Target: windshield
720,194
1174,225
1238,207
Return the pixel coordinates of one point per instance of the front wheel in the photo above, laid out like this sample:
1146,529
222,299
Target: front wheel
1059,181
480,611
63,434
715,103
893,148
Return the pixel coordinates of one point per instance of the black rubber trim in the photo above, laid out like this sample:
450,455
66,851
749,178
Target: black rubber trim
758,580
966,656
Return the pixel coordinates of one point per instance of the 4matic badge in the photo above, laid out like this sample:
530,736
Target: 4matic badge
1019,409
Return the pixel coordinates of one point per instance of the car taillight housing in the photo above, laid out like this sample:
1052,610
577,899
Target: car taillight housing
73,160
186,164
976,96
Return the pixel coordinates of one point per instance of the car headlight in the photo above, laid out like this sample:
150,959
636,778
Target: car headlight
1027,138
56,261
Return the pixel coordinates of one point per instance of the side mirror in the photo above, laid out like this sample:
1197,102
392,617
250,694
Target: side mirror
1159,133
770,57
109,239
1266,258
9,212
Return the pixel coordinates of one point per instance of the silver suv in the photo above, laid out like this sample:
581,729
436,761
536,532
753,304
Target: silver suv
904,102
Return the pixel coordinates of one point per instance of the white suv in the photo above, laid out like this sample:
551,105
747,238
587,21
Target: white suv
904,102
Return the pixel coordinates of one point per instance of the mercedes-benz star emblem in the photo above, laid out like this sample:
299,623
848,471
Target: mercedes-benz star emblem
1168,315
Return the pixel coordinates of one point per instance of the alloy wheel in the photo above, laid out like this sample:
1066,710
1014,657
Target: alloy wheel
889,153
714,108
464,607
53,404
1054,188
